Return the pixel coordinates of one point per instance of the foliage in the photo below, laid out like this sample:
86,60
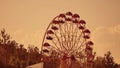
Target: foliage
105,62
14,55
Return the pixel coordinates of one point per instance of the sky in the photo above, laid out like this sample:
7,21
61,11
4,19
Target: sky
27,20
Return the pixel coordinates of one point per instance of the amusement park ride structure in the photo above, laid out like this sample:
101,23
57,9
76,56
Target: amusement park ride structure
68,39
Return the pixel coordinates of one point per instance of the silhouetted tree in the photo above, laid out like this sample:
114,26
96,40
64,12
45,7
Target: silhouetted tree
109,61
105,62
14,55
4,41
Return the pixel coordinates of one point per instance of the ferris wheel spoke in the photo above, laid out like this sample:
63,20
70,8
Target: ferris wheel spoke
62,36
75,36
71,32
79,48
67,36
54,48
72,36
76,49
74,39
78,40
56,45
58,40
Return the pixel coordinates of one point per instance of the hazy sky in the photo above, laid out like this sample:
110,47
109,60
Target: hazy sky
26,20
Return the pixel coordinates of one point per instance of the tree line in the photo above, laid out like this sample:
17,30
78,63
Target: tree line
15,55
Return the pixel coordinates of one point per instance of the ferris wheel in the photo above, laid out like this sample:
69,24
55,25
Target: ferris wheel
68,36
